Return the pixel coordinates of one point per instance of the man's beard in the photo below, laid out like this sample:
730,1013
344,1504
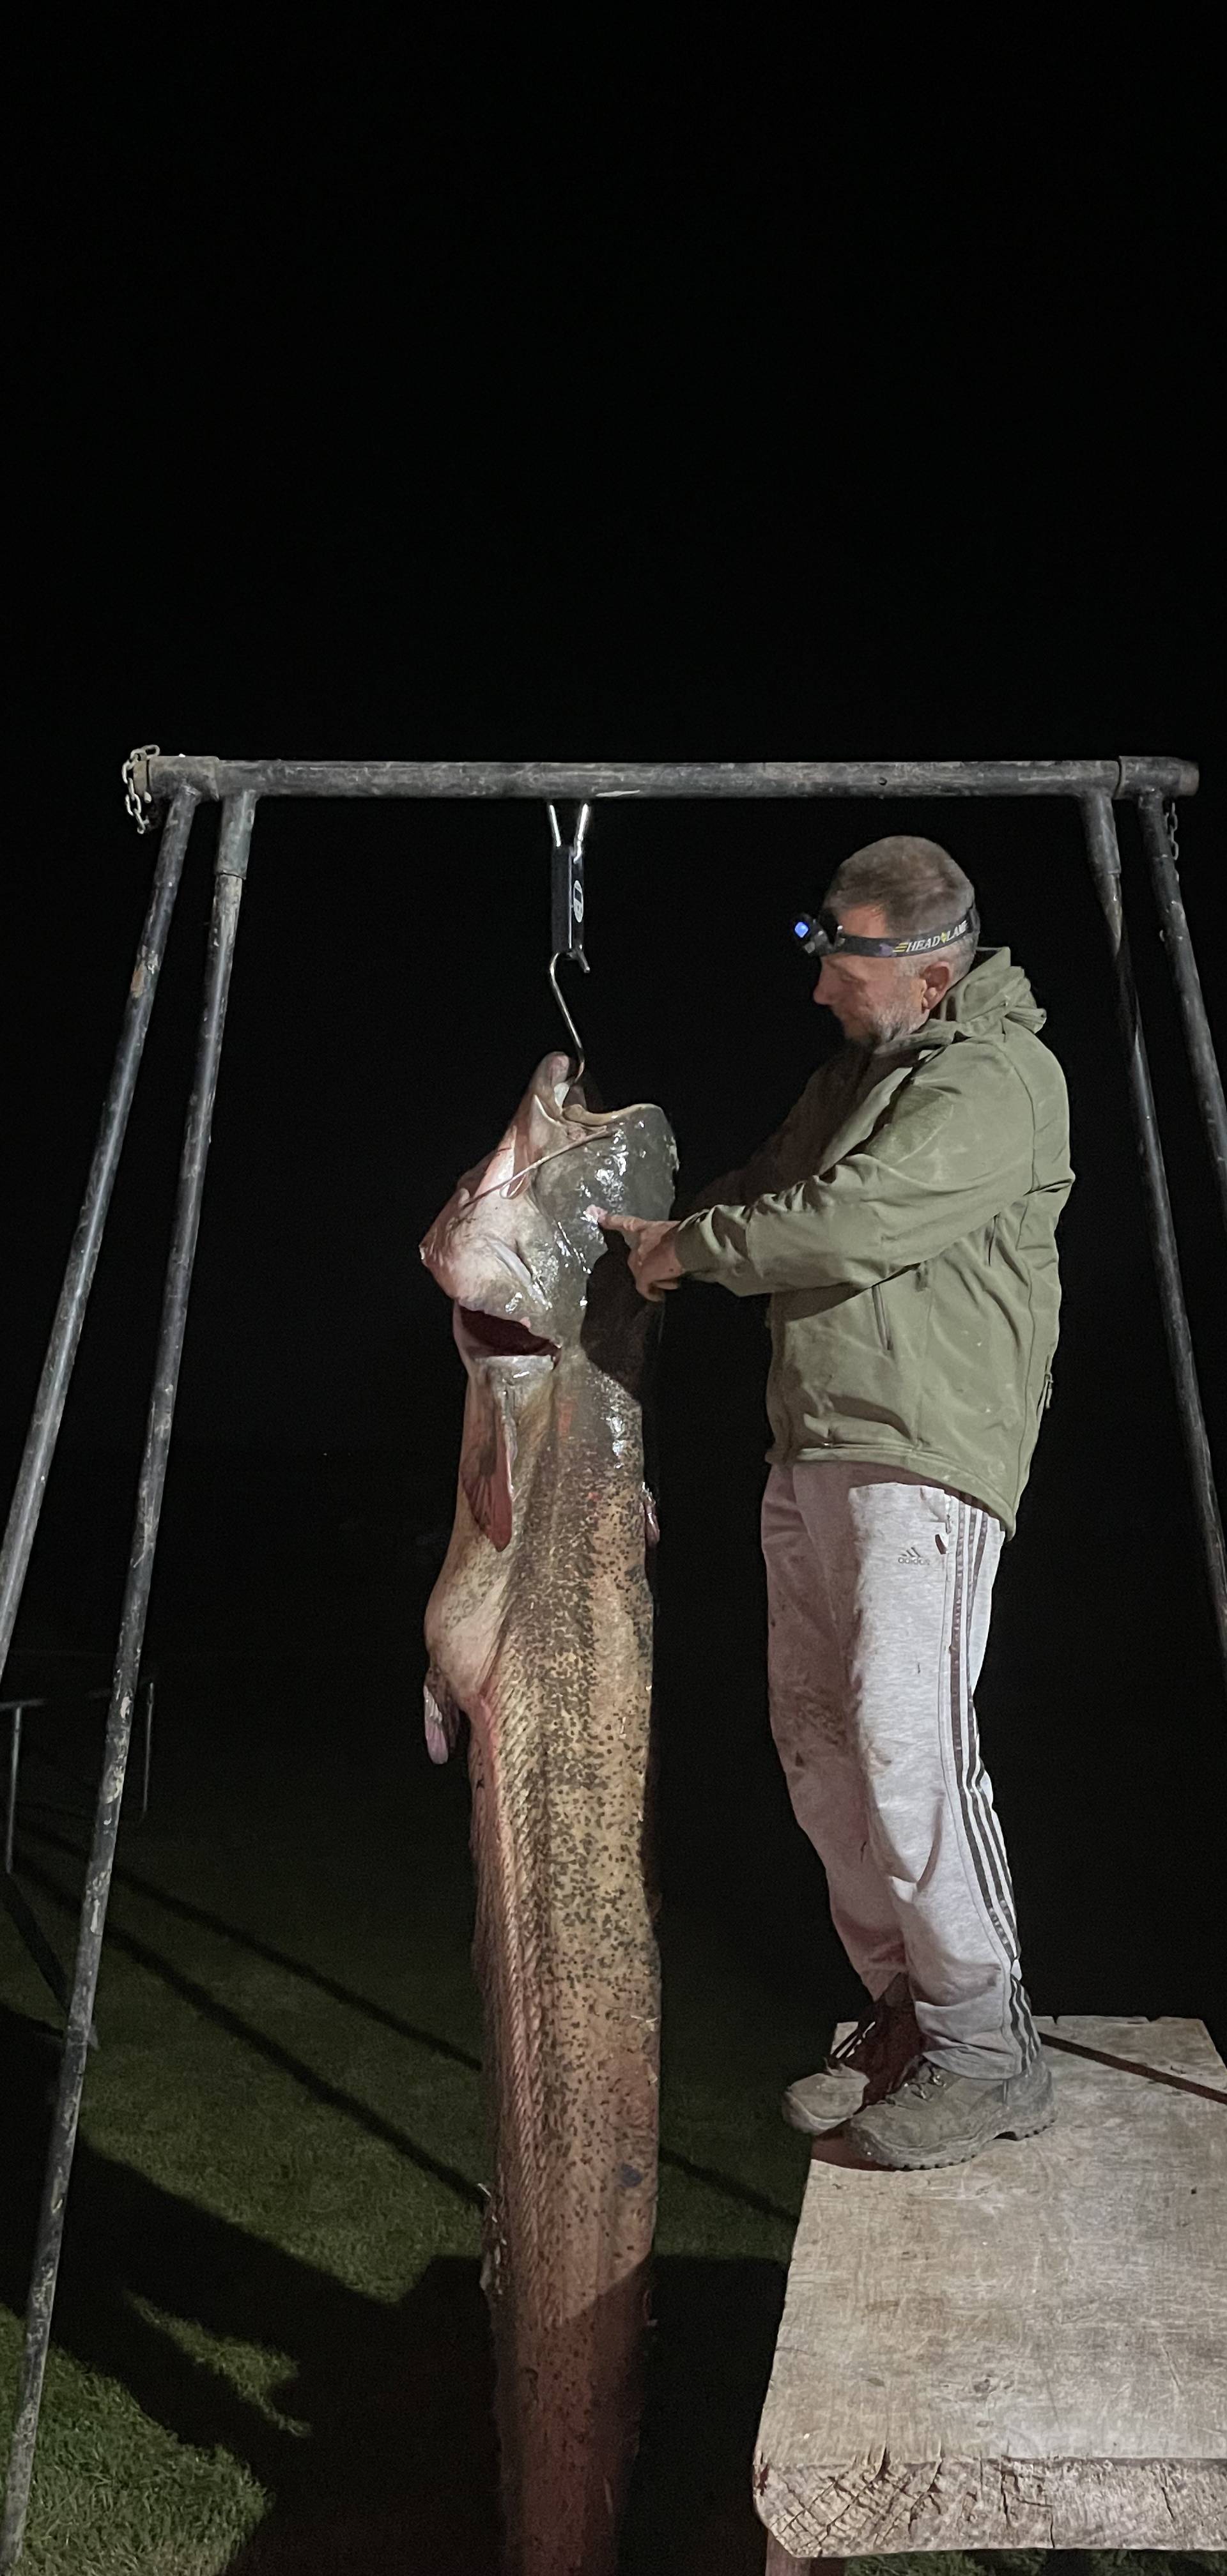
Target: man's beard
886,1027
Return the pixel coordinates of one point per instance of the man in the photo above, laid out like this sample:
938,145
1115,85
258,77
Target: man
903,1223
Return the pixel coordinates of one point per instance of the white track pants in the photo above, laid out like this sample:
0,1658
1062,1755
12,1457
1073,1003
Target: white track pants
879,1593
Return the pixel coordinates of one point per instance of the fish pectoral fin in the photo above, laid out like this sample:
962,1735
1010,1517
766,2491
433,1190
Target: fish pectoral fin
441,1715
486,1457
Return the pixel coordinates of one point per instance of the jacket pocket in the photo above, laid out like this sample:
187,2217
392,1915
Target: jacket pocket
879,1310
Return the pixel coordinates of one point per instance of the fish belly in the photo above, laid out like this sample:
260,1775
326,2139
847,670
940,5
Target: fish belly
566,1958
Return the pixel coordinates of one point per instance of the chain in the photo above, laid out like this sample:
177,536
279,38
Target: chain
137,800
1170,821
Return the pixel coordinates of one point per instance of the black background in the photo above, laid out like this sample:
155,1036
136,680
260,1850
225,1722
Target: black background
513,400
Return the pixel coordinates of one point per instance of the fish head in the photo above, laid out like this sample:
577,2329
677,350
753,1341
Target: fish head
517,1243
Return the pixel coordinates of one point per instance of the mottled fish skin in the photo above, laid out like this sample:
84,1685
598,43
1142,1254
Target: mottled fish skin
539,1630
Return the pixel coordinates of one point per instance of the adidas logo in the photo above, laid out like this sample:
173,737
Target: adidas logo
911,1556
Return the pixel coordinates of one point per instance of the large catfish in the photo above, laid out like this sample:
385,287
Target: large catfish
539,1630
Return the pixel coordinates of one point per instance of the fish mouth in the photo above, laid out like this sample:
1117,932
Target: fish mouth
499,1337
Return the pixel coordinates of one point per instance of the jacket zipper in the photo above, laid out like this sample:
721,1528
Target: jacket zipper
879,1308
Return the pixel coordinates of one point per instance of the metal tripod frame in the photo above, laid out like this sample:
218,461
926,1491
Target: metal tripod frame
181,783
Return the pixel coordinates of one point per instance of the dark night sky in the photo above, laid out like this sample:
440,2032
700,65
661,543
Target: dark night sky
488,405
524,402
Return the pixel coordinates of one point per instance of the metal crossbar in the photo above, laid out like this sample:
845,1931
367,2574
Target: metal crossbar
181,781
158,775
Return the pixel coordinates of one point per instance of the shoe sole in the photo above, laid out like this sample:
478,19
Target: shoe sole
960,2155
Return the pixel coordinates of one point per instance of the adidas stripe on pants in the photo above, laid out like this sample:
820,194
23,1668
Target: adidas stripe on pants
879,1590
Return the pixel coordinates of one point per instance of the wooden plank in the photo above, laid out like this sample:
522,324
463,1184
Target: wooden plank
779,2563
1025,2351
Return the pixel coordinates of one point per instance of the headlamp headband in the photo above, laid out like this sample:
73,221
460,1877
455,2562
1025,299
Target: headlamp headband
821,935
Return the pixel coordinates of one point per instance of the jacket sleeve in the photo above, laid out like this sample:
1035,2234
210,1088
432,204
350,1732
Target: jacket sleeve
945,1158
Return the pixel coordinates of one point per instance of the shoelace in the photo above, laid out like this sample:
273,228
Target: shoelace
924,2079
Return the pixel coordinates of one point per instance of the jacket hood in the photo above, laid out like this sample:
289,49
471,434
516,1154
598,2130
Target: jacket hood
993,992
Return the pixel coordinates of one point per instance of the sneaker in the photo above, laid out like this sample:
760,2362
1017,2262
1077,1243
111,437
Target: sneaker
864,2067
935,2118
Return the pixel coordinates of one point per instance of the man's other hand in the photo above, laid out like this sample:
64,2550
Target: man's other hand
654,1263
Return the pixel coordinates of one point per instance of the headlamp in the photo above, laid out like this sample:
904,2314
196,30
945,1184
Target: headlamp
821,935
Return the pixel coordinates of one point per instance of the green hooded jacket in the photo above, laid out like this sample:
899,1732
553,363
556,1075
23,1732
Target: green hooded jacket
904,1220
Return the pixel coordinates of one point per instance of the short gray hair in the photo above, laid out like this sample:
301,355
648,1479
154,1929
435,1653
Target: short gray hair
915,883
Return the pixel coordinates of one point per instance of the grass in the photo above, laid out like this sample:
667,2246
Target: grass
270,2346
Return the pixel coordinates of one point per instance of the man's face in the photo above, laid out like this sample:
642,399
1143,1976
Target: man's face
877,999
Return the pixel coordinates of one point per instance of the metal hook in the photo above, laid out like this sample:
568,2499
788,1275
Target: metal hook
579,1043
573,921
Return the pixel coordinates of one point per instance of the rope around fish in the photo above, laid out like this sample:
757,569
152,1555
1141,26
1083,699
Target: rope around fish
514,1178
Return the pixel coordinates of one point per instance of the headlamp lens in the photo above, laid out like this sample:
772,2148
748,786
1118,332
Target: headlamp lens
816,933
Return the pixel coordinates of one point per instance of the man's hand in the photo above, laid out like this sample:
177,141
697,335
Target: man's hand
654,1263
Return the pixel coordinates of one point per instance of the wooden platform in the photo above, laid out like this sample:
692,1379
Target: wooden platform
1026,2351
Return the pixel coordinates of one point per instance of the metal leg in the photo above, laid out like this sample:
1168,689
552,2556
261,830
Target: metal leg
1207,1080
82,1258
1104,855
10,1812
147,1750
236,824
